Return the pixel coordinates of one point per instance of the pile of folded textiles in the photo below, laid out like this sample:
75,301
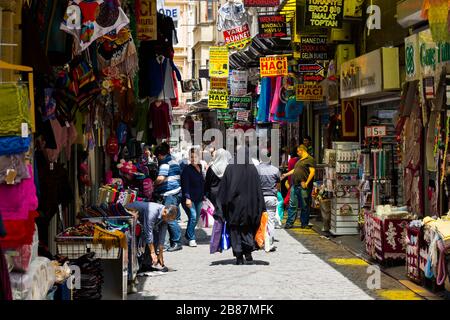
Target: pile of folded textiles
105,211
390,212
91,278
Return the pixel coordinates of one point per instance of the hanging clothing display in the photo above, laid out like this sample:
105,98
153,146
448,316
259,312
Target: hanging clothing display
264,101
87,21
436,12
231,15
14,109
160,119
117,53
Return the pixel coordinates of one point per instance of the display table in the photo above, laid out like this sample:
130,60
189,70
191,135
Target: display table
385,239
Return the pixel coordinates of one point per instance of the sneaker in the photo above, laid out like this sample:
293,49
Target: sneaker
288,226
175,247
192,243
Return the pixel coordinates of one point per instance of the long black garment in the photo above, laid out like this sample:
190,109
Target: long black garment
240,202
212,183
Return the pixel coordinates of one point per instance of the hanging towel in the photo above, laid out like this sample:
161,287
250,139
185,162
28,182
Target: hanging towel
264,101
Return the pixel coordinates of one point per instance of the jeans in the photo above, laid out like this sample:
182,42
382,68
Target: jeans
194,215
174,227
304,198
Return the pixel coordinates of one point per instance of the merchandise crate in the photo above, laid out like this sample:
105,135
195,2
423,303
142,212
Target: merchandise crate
75,247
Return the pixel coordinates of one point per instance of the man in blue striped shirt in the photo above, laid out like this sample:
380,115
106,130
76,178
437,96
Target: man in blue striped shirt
168,186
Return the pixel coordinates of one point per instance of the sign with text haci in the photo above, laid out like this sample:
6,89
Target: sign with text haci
314,47
240,103
272,26
324,13
305,92
218,62
237,38
273,66
261,3
146,21
218,99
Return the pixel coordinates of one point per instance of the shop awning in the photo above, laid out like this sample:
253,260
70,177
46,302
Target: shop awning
249,57
288,8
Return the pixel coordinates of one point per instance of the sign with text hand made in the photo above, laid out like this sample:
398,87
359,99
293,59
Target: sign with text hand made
218,99
324,13
272,26
218,62
146,21
273,66
305,92
237,38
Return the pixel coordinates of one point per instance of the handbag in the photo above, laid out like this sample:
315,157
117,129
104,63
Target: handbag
225,242
206,214
261,233
214,245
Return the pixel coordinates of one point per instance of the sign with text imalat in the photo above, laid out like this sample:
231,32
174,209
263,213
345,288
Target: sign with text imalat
273,66
146,21
261,3
218,99
218,62
305,92
324,13
272,26
237,38
219,83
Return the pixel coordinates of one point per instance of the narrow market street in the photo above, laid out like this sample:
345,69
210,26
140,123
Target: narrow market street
305,266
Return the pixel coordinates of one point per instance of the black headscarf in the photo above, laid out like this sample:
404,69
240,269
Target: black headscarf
240,200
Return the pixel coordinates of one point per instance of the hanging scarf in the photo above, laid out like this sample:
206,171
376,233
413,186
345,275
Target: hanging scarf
221,161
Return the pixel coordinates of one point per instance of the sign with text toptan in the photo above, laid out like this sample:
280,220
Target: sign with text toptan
273,66
218,99
324,13
218,62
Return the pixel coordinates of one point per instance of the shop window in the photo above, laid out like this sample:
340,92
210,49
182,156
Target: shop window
210,11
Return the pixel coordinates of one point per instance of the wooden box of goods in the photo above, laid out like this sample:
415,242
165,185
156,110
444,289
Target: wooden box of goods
385,238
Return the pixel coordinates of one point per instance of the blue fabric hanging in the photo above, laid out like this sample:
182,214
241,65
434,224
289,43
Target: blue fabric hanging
264,101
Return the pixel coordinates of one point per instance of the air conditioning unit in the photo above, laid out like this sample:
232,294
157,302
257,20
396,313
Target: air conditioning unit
408,13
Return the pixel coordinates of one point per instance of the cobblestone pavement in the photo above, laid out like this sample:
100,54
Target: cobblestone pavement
305,266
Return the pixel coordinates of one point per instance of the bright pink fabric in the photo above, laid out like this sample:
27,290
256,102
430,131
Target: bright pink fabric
16,201
276,97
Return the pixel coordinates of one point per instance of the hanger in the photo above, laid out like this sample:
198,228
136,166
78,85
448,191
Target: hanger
8,66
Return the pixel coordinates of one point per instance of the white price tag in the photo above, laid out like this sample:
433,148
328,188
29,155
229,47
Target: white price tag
25,130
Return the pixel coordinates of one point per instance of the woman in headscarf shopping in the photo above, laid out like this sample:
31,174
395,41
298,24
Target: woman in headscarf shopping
240,203
215,173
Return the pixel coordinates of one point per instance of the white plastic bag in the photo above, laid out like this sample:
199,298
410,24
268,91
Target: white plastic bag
206,214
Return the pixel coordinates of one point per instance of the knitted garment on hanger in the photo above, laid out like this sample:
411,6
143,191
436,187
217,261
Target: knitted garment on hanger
18,199
436,11
14,145
99,18
15,162
117,50
14,109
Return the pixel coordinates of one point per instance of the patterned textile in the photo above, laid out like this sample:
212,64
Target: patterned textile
385,239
